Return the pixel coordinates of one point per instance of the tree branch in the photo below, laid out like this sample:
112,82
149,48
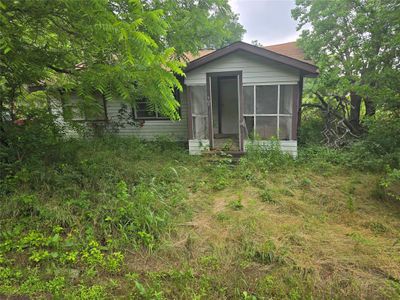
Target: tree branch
59,70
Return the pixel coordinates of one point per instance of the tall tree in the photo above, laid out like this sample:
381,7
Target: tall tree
356,46
120,48
89,46
197,24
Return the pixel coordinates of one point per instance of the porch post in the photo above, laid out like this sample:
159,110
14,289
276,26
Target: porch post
295,108
210,112
189,109
241,110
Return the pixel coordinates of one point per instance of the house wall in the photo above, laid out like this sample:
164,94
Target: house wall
151,129
255,70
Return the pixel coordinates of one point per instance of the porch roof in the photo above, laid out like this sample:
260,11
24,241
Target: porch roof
288,54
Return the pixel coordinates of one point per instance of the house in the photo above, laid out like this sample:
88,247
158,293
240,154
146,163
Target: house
231,96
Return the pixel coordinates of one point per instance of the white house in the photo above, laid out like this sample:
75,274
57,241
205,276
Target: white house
230,96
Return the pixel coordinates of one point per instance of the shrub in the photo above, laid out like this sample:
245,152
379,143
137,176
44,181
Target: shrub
266,157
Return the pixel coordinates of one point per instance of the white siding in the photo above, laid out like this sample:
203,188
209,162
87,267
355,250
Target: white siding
176,130
197,147
255,70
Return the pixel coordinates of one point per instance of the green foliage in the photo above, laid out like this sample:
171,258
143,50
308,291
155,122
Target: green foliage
267,196
349,62
236,204
113,48
93,209
194,25
118,49
354,44
312,125
391,184
267,157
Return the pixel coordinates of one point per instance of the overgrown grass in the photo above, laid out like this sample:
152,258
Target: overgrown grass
116,217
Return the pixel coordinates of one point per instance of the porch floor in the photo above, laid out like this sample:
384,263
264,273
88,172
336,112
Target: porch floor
226,142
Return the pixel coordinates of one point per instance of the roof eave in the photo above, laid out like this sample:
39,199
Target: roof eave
306,68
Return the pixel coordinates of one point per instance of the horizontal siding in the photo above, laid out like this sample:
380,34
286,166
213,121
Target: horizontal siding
57,111
196,147
255,70
176,130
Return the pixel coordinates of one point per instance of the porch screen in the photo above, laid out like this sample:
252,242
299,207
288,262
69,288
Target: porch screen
268,111
199,112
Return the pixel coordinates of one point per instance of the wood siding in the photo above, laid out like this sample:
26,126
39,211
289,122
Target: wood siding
197,147
255,70
151,129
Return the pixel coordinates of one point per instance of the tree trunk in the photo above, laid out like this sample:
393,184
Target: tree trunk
369,107
354,119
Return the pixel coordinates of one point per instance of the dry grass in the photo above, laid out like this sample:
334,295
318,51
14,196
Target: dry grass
319,237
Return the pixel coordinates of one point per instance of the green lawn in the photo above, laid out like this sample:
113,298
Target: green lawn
119,218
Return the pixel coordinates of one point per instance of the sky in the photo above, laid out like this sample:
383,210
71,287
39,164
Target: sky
268,21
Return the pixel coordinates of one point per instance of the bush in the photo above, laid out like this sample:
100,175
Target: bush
31,139
312,125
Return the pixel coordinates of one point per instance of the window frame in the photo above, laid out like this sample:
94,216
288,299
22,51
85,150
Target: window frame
157,116
277,115
75,110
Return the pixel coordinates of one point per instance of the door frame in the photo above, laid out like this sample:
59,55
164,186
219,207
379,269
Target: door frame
239,76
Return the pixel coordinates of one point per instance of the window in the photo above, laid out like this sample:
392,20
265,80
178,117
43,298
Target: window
85,109
199,112
142,111
268,111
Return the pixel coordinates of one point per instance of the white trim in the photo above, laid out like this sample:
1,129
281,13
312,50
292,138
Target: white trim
267,115
254,108
239,112
271,83
196,84
277,111
211,114
277,115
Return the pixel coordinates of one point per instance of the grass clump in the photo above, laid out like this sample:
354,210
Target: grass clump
267,196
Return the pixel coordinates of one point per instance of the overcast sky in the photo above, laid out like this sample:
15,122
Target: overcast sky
268,21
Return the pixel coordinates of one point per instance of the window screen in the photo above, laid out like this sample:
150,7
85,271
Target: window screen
272,117
266,99
266,127
248,93
199,112
286,99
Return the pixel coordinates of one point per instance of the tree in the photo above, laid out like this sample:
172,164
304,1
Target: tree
198,24
256,43
356,46
119,48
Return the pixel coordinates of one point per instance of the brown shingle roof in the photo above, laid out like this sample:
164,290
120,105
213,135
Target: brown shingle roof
288,49
188,57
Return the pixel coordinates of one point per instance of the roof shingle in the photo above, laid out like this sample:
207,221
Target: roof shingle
290,49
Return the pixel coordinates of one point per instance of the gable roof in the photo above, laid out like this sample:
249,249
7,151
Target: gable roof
288,54
290,49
